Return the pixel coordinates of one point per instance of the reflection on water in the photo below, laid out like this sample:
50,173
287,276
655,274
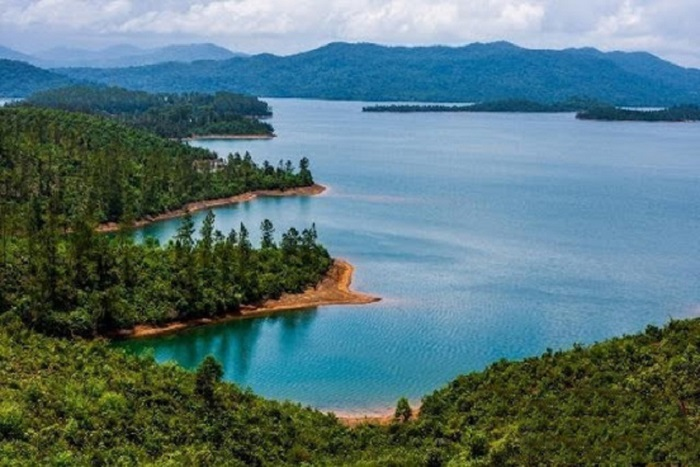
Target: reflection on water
234,343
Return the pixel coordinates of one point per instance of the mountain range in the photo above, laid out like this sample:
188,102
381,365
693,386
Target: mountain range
472,73
120,55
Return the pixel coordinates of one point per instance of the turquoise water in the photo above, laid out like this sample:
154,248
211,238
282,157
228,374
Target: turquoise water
488,237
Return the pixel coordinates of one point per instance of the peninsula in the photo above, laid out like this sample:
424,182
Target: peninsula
332,289
81,283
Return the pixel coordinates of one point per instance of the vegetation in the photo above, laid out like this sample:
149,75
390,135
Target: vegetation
508,105
633,400
82,283
473,73
167,115
63,173
82,163
19,79
681,113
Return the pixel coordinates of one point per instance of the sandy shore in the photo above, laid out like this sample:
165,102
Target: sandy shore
214,203
334,289
352,419
244,137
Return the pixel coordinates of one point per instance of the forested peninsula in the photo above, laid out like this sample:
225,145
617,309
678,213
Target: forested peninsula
63,174
188,115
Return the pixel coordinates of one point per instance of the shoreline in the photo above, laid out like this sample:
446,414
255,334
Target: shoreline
228,137
381,418
313,190
334,289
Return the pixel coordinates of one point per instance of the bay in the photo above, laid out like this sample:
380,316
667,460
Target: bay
488,236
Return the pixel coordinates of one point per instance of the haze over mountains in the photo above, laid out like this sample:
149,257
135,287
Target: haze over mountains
473,73
120,55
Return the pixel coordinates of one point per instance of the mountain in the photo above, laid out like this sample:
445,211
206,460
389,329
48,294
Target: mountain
10,54
19,79
476,72
128,55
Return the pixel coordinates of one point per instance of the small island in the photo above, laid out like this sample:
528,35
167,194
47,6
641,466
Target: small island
680,113
170,115
506,105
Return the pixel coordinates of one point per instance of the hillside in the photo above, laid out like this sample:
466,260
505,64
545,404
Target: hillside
82,161
473,73
634,400
19,79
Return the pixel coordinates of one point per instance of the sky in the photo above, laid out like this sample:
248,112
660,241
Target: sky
668,28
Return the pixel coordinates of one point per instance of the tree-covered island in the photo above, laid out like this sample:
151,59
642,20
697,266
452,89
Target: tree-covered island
680,113
506,105
166,114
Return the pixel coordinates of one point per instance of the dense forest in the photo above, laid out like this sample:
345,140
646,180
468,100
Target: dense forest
79,162
472,73
681,113
507,105
627,401
63,173
168,115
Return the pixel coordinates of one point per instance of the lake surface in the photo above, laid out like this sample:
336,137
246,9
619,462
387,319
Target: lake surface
488,236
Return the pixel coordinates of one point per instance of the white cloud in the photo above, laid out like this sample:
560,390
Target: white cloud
662,26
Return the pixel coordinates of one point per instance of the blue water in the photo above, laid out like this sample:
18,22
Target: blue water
488,236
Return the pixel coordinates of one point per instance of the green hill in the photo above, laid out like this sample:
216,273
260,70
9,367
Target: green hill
19,79
473,73
628,401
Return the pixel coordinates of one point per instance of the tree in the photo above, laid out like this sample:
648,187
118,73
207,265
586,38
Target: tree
208,374
403,411
268,231
304,173
185,232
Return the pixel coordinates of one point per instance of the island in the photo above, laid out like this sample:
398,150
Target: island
506,105
680,113
170,115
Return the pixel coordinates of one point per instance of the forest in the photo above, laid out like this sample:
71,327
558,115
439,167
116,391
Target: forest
167,114
78,162
63,174
627,401
507,105
680,113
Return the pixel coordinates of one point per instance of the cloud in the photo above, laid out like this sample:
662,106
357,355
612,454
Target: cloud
71,14
662,26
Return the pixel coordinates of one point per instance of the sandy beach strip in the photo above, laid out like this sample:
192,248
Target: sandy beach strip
334,289
195,206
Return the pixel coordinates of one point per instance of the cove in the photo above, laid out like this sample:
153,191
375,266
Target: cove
487,236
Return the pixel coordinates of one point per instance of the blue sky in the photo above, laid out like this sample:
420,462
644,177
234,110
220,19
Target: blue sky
667,28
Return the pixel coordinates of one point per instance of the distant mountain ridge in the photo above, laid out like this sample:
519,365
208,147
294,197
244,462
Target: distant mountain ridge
19,79
120,55
473,73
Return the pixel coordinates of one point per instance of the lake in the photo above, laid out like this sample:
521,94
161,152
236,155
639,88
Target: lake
488,236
